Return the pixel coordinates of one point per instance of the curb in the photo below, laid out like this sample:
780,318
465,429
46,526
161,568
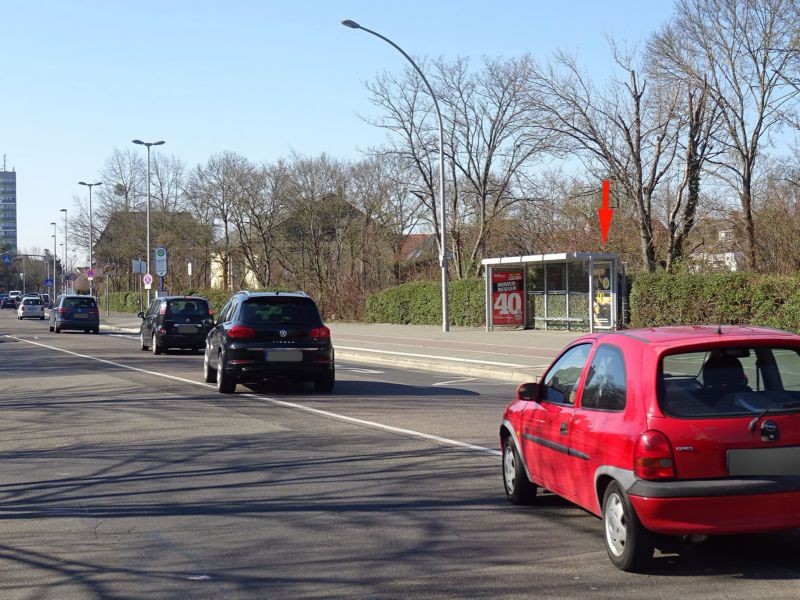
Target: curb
468,368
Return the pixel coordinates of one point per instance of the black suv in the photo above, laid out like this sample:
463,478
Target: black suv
175,322
269,335
75,312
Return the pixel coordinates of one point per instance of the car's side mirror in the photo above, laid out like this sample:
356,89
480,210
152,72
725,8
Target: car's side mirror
209,322
140,315
528,391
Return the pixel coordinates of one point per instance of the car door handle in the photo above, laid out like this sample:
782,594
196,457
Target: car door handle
563,429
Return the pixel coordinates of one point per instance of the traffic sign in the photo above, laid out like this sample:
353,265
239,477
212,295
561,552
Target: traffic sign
148,281
6,259
90,274
48,282
161,261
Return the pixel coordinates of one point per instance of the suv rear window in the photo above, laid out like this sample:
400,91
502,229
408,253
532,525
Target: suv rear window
277,311
188,307
79,303
732,382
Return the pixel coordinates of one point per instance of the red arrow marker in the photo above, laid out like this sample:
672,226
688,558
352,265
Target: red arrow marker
605,212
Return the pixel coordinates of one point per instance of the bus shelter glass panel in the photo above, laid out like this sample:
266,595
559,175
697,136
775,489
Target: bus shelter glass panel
602,301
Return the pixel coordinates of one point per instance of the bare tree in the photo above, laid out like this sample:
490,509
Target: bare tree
626,132
747,51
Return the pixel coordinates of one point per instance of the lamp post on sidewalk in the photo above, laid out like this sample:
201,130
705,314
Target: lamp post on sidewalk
442,208
91,230
53,292
64,265
148,144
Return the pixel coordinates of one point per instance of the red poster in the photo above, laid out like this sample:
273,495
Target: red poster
508,294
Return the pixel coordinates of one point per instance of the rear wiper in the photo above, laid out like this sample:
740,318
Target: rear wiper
770,409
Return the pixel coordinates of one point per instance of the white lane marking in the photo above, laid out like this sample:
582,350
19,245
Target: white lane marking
459,380
367,371
449,358
291,405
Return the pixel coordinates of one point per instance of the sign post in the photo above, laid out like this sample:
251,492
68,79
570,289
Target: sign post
161,266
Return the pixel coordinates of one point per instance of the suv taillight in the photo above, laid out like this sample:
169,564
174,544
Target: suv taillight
652,458
320,333
239,332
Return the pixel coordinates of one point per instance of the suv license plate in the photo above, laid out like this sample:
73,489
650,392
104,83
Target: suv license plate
284,355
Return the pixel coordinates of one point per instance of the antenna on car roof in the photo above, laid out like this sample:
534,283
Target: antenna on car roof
719,329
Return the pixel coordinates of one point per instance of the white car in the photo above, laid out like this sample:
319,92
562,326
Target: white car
30,308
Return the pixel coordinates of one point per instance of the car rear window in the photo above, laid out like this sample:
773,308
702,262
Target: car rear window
276,311
187,307
30,301
79,303
734,382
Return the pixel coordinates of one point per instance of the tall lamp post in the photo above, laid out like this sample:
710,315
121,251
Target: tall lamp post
54,261
64,265
442,209
148,144
91,230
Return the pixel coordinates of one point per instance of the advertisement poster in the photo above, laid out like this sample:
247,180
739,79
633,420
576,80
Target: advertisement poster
508,295
601,279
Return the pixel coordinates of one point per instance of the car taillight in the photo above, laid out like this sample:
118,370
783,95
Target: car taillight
62,311
320,333
239,332
653,457
163,309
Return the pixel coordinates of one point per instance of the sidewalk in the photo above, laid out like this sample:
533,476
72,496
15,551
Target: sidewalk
509,355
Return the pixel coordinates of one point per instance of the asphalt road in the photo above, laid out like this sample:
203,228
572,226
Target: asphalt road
124,476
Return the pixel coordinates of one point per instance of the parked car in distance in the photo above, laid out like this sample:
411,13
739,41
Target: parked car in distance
30,308
175,322
72,311
269,335
664,432
7,301
45,299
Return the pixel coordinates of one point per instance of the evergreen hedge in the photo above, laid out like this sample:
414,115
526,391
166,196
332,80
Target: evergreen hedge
420,303
715,299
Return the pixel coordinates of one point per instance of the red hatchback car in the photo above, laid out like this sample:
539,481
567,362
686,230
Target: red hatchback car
672,431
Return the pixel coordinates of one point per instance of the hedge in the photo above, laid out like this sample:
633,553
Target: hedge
715,299
420,303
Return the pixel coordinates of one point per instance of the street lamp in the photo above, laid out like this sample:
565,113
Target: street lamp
54,261
148,144
442,209
91,230
64,265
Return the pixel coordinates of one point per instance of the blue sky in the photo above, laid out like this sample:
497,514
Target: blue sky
261,78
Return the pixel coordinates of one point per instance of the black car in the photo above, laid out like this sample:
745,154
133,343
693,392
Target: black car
175,322
72,311
269,336
7,302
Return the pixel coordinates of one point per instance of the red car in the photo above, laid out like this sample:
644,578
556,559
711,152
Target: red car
672,431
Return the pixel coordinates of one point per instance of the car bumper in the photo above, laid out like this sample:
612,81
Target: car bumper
179,340
249,365
80,324
717,507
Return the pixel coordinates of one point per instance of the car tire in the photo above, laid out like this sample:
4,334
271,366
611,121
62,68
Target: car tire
519,489
41,318
226,383
57,328
629,545
157,349
325,384
209,372
142,344
51,328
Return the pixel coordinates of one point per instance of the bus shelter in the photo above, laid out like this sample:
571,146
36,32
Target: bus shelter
571,290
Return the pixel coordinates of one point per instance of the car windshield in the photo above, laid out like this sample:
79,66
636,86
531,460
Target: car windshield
277,311
735,381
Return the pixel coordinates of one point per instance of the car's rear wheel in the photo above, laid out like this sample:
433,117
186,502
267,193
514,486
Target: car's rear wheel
143,343
519,489
325,384
209,372
629,545
157,348
226,383
50,327
57,328
41,318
